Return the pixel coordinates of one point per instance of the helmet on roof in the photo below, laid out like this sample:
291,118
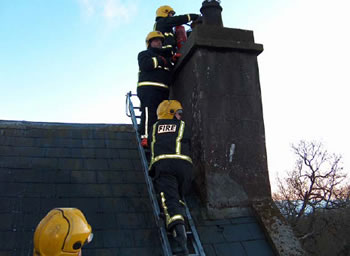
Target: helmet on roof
168,108
62,232
164,11
152,35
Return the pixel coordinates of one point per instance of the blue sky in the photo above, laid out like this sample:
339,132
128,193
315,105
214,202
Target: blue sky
74,61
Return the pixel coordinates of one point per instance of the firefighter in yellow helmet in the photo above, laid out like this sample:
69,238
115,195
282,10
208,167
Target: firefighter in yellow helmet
171,167
166,21
62,232
154,81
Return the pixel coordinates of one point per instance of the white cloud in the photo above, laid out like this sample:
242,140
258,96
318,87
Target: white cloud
114,12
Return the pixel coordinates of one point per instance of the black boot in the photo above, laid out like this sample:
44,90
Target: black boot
180,236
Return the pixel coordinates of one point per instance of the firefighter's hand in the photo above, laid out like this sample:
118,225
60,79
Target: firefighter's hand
194,16
175,57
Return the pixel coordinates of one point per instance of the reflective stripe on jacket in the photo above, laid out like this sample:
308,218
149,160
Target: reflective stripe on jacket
170,140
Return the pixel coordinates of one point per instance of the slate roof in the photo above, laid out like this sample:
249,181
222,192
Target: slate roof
96,168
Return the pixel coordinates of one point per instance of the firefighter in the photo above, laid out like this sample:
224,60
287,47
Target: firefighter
154,81
171,167
62,232
166,21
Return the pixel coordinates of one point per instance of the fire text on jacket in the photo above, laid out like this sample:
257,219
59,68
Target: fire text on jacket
163,128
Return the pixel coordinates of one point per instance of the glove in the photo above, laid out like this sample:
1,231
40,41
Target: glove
194,16
175,57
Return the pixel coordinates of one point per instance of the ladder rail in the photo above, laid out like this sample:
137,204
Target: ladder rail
199,251
163,234
197,245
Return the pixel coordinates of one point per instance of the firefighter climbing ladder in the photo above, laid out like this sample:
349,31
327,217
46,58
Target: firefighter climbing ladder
192,233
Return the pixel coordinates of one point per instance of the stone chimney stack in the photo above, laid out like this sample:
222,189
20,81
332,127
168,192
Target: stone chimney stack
217,81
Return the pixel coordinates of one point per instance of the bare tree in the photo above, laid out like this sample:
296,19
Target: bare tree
316,184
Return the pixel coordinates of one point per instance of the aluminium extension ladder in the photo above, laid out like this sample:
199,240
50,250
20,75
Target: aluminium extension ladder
192,235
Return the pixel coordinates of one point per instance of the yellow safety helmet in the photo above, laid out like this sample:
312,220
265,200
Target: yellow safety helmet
153,35
164,11
62,232
168,108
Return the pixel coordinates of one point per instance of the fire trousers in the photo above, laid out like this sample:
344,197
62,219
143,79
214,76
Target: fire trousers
150,97
173,178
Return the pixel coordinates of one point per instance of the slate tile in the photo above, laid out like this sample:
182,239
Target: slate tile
47,204
20,151
31,221
99,134
39,190
110,205
118,238
206,222
107,153
83,177
120,164
5,203
83,153
238,232
144,251
209,250
110,177
122,144
100,252
70,164
44,163
26,175
149,220
12,189
258,248
5,221
7,240
86,204
243,220
58,152
35,133
131,220
137,204
56,176
5,253
256,231
98,239
23,141
101,221
129,154
137,164
126,190
122,135
6,175
16,162
68,143
134,177
210,234
30,205
95,164
229,249
93,143
83,190
146,237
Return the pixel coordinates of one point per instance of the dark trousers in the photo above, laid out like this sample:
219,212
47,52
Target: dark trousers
173,177
150,97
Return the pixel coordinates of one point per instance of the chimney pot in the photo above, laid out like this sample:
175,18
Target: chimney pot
211,11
